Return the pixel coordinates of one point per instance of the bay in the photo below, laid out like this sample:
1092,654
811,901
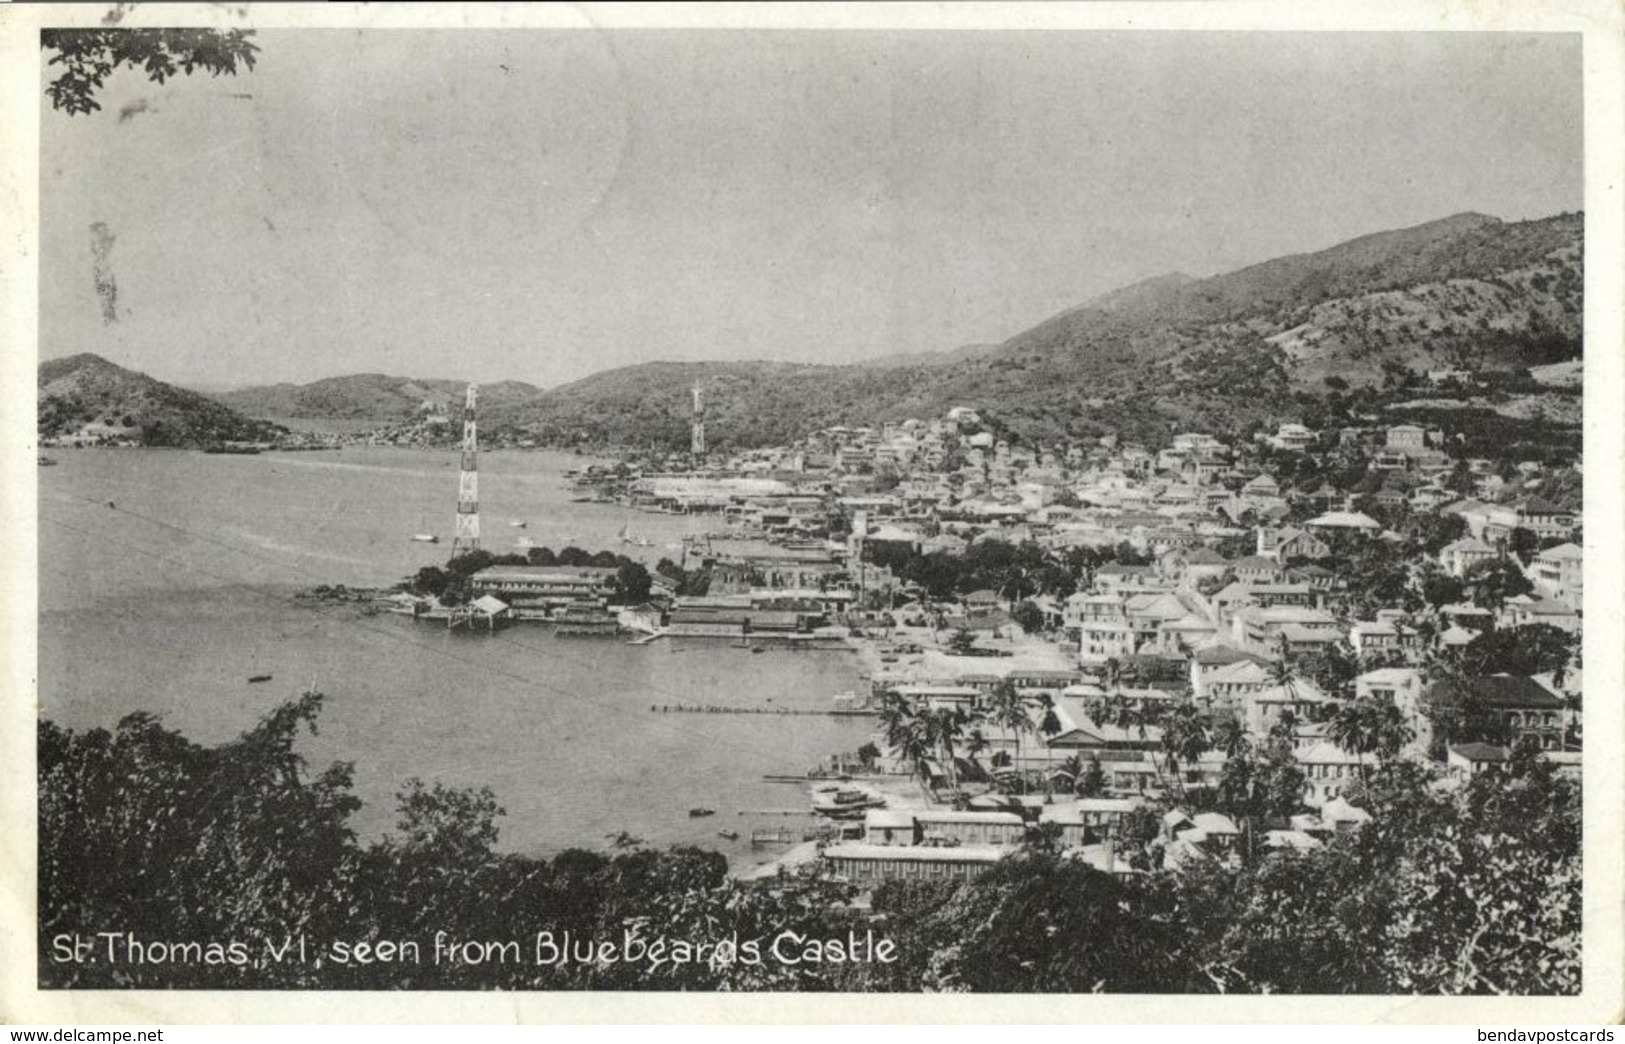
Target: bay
167,579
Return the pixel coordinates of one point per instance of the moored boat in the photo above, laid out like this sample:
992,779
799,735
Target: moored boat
840,799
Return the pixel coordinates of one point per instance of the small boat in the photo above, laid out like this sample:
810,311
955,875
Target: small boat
46,462
518,523
758,648
841,800
259,678
701,813
731,835
425,538
628,538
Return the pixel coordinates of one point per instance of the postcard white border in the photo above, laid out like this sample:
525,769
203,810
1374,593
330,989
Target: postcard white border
1603,26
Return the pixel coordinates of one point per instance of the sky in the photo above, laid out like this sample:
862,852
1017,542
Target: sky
541,205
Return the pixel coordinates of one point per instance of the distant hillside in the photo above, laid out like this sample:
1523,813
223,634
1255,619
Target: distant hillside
747,403
1249,347
372,397
87,389
940,358
1145,293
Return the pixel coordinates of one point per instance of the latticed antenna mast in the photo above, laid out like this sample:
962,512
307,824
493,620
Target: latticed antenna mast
697,441
467,534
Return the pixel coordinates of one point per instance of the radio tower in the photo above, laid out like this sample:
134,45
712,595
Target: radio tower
697,443
466,536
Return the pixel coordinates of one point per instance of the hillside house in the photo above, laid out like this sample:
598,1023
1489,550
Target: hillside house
1513,708
1289,543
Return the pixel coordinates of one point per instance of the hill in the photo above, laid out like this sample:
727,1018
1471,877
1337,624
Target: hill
1225,353
374,397
86,389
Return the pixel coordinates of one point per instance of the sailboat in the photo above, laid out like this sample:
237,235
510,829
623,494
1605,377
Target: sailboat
423,536
628,538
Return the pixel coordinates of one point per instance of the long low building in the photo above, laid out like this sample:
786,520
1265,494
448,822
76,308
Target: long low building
541,591
870,865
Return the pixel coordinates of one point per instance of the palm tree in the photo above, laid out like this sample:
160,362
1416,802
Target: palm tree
914,747
1184,739
1008,710
1230,737
1370,726
940,729
1049,726
1114,674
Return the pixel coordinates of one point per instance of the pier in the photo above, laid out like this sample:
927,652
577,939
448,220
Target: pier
696,708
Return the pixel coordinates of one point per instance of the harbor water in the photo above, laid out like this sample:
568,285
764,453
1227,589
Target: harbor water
168,579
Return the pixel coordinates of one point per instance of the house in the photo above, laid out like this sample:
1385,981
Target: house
1289,543
1458,556
1402,687
1293,438
1257,569
1406,438
1207,661
1511,708
1262,486
869,866
1543,518
1381,637
1087,820
1523,611
1466,760
1329,771
1104,632
1559,573
1263,708
1193,564
540,591
1344,522
1303,629
1229,683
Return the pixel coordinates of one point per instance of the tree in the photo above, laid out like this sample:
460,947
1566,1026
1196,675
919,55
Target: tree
1496,580
1028,615
1441,589
1369,726
1093,781
1184,739
1523,544
430,581
961,642
941,730
1528,650
1008,710
633,581
88,56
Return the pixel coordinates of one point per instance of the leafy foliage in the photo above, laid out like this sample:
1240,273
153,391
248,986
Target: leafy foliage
88,56
141,830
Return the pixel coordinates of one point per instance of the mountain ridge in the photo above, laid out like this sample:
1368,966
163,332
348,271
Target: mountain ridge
1249,346
85,389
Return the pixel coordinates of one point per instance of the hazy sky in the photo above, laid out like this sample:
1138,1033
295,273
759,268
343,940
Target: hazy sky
540,205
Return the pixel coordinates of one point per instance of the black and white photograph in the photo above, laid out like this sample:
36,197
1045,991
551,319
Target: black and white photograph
572,501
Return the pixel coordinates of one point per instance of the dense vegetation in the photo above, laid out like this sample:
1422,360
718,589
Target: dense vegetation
453,583
86,389
147,833
370,396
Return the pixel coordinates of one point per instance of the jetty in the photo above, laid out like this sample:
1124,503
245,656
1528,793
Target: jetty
697,708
